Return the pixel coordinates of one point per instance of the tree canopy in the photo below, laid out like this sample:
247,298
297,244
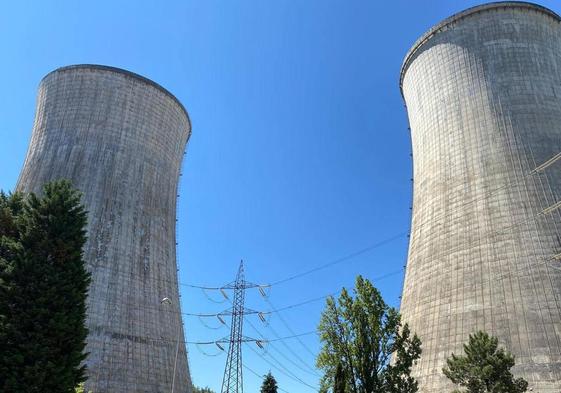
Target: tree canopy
43,289
269,384
485,368
366,338
202,390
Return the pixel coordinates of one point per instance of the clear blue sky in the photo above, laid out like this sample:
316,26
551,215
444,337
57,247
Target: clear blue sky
300,149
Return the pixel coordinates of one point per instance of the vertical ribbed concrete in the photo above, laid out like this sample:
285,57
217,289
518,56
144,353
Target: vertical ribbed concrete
483,95
120,139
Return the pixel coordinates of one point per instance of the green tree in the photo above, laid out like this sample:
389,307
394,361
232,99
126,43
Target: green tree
339,385
10,211
269,384
363,334
485,368
43,290
202,390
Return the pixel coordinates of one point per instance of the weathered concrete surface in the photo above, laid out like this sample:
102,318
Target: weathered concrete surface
120,138
483,94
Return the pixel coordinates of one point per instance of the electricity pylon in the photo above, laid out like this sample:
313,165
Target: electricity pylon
233,376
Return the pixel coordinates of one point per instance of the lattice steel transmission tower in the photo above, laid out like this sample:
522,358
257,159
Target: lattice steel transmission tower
233,376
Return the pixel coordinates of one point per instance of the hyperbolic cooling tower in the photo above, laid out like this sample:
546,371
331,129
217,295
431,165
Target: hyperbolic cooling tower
483,95
120,138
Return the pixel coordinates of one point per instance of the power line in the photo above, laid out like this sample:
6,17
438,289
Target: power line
385,241
233,372
290,337
288,372
373,246
519,182
529,216
283,369
434,221
291,361
337,261
343,259
500,231
273,311
390,239
291,351
298,336
262,377
264,340
291,331
276,366
213,342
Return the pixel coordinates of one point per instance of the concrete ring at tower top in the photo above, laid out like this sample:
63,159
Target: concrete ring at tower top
461,15
126,73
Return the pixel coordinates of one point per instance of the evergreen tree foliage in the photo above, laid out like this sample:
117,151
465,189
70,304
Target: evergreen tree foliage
43,289
269,384
10,211
366,337
202,390
339,384
485,368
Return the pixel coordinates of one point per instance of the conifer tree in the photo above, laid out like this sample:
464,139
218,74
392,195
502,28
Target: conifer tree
10,209
485,368
202,390
43,289
269,384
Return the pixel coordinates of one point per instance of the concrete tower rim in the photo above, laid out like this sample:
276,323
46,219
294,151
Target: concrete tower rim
429,34
122,71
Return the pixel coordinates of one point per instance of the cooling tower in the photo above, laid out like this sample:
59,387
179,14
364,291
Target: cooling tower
483,95
120,138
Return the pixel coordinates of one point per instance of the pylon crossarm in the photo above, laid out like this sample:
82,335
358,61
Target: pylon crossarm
244,285
246,311
241,340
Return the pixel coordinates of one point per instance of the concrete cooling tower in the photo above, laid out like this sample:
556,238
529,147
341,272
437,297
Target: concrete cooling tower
483,95
120,138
